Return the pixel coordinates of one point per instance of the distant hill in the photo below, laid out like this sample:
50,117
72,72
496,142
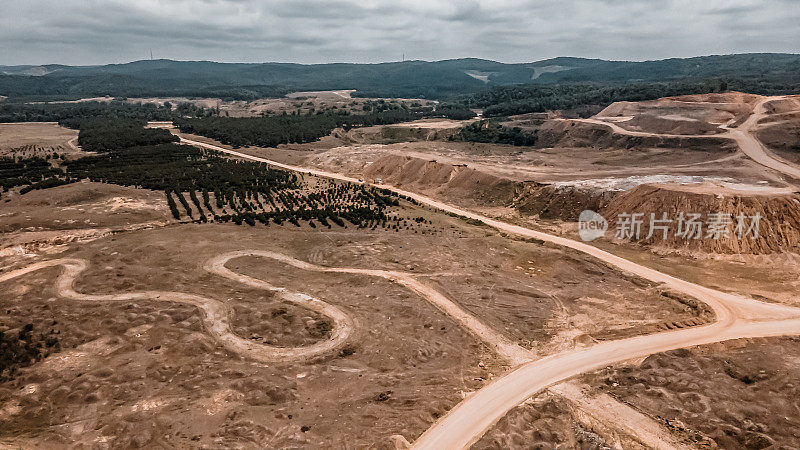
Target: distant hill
398,79
743,65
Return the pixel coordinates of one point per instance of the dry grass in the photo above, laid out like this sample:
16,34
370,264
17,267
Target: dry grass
35,139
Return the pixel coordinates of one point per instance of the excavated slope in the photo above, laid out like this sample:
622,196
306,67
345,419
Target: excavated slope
463,183
779,227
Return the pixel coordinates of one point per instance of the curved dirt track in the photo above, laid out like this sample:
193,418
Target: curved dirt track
747,142
737,317
73,144
216,315
468,421
498,342
719,301
619,130
754,149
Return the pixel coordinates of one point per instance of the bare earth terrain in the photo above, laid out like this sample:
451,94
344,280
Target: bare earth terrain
132,257
484,323
36,139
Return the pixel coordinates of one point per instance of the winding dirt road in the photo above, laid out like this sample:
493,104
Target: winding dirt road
619,130
501,345
216,315
754,149
468,421
743,135
736,316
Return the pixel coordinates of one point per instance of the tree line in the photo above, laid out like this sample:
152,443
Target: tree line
71,115
270,131
32,173
521,99
243,191
177,166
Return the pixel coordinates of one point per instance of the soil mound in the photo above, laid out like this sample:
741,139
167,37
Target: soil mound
461,182
709,108
446,179
670,125
784,139
726,97
567,134
778,226
560,203
782,106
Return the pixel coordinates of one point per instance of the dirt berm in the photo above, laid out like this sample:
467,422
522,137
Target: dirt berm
779,226
390,134
567,134
460,183
561,203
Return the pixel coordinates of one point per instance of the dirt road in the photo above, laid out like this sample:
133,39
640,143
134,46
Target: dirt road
754,149
736,317
502,345
645,272
216,315
743,135
468,421
619,130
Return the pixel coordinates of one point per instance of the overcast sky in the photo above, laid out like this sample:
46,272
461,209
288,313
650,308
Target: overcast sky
315,31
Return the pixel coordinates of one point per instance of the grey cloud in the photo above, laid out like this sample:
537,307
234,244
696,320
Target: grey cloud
311,31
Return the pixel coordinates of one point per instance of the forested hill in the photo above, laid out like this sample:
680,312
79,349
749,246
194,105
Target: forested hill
245,81
398,79
770,65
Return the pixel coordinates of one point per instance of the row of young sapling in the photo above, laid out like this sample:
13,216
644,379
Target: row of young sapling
323,203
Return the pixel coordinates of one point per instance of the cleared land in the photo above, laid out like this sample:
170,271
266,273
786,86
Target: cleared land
188,334
461,426
402,343
738,394
26,140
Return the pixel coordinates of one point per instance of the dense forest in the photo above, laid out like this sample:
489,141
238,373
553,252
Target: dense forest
537,97
71,114
489,132
204,185
269,131
243,191
453,111
180,167
764,66
410,79
103,134
262,131
286,129
510,100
